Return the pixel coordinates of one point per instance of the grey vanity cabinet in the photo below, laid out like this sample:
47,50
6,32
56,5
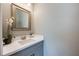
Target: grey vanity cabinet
34,50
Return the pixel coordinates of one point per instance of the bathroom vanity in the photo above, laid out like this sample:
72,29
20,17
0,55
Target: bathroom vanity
30,46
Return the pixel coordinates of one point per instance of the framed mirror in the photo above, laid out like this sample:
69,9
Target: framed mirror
22,18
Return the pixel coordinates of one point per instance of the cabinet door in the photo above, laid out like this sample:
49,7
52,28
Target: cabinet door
35,50
39,50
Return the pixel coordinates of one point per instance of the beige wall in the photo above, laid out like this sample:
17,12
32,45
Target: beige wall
60,25
7,14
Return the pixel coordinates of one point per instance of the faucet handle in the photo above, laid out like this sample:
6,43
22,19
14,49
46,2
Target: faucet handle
31,33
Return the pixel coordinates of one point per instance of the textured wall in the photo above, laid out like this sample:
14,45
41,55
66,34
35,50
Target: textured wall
60,25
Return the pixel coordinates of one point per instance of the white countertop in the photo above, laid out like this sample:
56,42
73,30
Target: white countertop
18,45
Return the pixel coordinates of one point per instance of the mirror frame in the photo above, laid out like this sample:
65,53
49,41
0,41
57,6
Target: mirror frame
14,28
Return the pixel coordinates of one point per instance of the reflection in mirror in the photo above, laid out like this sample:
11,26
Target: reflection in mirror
22,18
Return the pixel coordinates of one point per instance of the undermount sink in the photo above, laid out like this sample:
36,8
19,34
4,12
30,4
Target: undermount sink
25,41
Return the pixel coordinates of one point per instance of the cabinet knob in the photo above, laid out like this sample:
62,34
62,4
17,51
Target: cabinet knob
32,55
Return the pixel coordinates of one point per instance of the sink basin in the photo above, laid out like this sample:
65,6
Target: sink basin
25,41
